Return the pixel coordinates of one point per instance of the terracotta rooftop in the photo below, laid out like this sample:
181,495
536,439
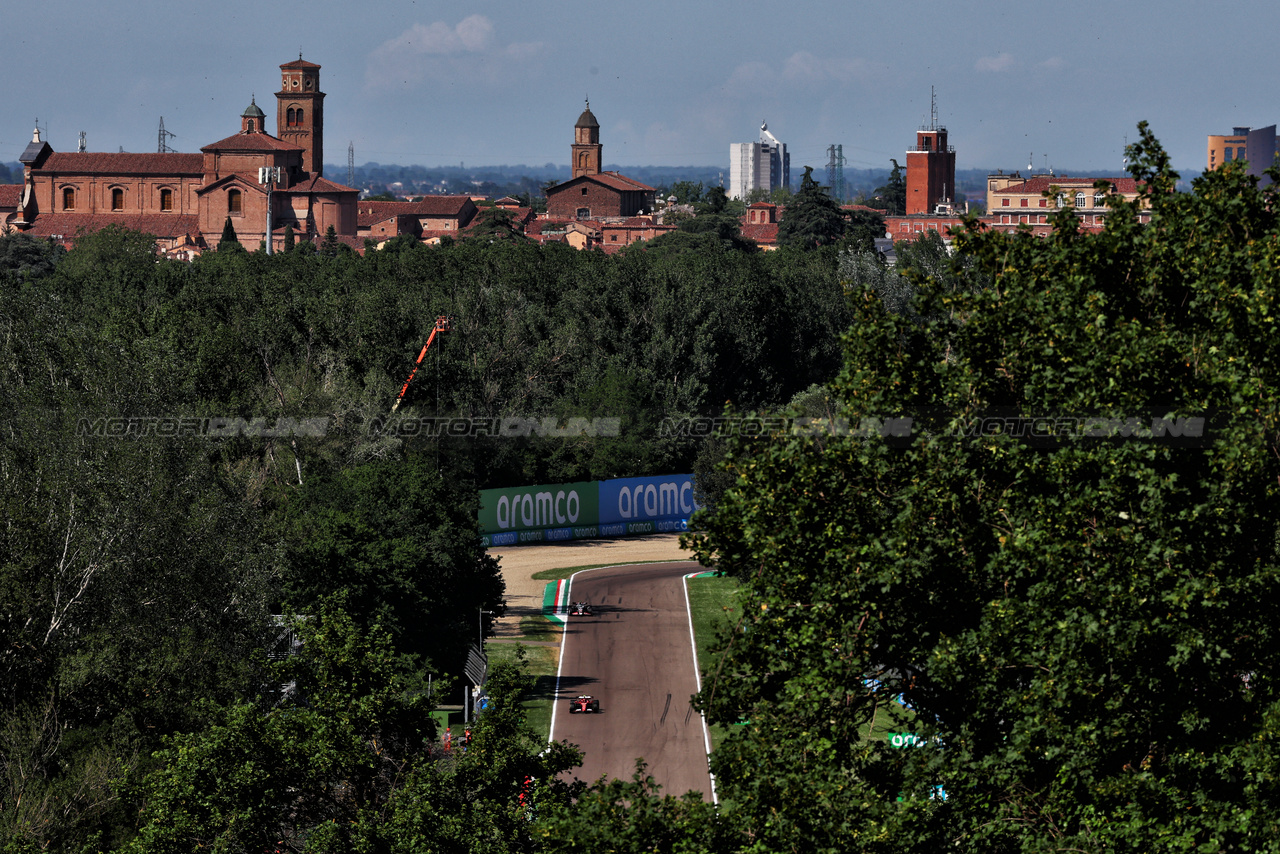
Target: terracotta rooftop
317,184
610,179
68,225
764,233
366,217
124,163
635,222
10,195
250,142
630,183
427,206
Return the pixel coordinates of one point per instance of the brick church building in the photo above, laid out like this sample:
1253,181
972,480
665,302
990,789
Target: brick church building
185,199
592,194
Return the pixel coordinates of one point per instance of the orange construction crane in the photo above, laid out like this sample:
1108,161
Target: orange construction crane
442,325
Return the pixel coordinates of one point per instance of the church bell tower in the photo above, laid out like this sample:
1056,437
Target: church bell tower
587,150
300,112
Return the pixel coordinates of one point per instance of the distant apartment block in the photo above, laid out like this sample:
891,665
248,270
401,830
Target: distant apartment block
1016,201
759,165
1258,146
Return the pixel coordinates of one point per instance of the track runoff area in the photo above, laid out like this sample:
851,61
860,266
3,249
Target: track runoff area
636,655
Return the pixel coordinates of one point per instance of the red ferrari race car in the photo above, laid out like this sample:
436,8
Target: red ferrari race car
584,703
580,609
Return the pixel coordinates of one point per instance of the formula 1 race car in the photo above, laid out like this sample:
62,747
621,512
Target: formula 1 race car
580,609
584,703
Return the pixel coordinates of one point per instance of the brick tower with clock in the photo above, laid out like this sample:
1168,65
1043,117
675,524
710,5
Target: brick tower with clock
300,112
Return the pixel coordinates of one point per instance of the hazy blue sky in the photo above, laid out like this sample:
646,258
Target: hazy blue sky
672,83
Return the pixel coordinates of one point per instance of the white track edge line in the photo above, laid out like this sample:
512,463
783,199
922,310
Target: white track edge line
697,676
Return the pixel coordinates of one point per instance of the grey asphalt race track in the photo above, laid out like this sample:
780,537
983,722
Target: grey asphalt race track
635,655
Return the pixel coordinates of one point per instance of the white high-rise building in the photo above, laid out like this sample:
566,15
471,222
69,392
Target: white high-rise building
764,164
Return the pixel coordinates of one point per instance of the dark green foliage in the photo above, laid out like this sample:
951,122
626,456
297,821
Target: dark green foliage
24,258
331,246
893,195
397,541
925,259
634,816
708,232
348,759
862,230
495,224
714,201
686,192
289,239
1084,631
229,239
138,566
812,218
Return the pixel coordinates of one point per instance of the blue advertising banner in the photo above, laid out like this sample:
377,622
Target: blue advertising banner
647,505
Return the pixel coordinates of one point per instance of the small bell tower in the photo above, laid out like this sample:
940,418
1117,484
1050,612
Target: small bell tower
587,152
252,120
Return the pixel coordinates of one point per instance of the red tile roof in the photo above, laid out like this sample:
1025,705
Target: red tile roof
10,195
299,63
621,182
251,142
124,163
764,233
366,218
612,180
317,184
68,225
536,227
427,206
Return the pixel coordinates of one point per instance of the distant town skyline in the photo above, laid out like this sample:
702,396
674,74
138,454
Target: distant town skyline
672,84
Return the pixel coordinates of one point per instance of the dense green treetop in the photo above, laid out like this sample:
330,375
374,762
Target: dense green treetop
812,218
892,196
1080,629
144,546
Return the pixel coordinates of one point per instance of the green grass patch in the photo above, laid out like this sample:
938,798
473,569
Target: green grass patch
542,662
896,718
535,627
713,604
565,572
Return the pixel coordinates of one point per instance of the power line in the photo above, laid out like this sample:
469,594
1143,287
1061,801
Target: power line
163,146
